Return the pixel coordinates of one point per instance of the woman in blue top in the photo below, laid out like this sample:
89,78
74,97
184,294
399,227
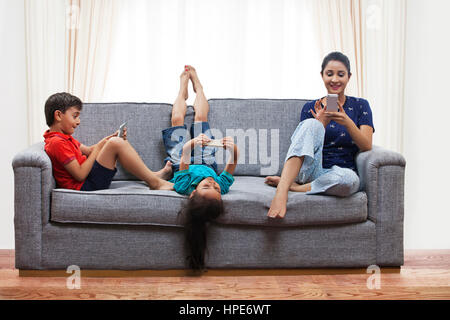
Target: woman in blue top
321,156
195,169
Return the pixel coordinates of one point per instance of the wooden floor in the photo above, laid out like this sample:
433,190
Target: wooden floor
425,275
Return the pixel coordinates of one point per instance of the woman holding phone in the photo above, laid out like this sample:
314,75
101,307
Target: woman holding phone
321,157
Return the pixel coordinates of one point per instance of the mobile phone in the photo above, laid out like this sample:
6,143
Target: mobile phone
332,102
121,128
215,143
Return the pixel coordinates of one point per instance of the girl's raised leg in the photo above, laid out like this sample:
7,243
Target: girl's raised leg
179,106
201,105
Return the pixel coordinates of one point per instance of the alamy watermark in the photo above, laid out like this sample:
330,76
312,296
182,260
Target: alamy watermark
374,281
263,147
74,280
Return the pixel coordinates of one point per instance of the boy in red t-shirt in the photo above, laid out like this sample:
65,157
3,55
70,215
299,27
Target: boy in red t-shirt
79,167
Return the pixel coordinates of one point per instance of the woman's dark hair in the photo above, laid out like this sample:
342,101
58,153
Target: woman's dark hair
336,56
60,101
198,212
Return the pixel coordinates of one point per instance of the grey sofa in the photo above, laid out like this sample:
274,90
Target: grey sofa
130,227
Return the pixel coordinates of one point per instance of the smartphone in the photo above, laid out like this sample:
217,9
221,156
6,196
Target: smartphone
121,128
332,102
215,143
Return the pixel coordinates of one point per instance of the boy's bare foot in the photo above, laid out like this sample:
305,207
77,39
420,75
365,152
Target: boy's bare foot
272,180
194,78
184,80
278,206
163,185
166,172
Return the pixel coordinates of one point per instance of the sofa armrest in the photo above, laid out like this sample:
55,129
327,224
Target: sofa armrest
33,184
382,176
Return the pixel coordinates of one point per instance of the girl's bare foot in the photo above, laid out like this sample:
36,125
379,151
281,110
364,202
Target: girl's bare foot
166,172
184,80
278,205
194,78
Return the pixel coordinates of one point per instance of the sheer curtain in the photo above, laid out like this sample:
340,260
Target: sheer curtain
89,34
241,49
68,44
45,47
372,34
134,50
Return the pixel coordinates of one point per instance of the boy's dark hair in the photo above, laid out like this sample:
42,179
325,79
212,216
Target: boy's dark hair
60,101
198,212
336,56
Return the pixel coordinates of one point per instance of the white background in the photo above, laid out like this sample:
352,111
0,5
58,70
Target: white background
427,111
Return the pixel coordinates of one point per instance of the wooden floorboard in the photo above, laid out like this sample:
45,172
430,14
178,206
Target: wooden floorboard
208,273
425,275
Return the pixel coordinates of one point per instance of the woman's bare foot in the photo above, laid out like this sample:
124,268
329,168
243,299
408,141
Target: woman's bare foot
166,172
194,78
278,205
184,80
272,180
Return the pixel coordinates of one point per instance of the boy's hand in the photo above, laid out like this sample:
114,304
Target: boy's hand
102,142
124,136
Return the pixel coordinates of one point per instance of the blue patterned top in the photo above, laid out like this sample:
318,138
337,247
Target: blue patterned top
338,148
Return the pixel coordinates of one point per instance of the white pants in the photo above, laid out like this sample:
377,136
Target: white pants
307,140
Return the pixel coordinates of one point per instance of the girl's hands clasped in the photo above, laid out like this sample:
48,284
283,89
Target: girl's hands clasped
201,140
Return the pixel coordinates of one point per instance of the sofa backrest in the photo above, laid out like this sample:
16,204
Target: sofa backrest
262,129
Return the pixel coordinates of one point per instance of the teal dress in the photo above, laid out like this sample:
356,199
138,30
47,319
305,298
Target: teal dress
185,181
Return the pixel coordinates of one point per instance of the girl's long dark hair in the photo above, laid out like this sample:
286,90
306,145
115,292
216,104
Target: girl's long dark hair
198,213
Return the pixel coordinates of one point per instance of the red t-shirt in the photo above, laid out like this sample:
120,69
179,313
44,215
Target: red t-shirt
62,149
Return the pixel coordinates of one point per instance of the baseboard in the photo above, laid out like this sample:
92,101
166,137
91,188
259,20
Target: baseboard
209,272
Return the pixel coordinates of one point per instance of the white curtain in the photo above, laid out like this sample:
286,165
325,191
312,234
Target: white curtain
44,30
241,49
68,44
89,34
134,50
372,34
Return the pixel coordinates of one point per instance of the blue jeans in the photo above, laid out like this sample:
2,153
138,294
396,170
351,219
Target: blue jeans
174,139
307,140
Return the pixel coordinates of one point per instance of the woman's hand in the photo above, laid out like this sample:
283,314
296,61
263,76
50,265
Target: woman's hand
320,113
339,117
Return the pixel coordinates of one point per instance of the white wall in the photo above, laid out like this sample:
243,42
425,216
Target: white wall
427,116
13,93
427,217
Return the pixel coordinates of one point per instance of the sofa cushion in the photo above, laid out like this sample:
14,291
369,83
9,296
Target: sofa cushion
247,203
262,129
